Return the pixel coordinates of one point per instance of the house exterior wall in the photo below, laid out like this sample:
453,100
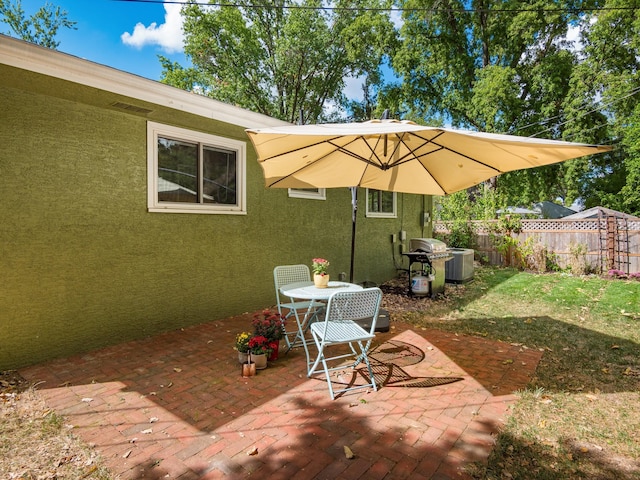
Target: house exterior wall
85,265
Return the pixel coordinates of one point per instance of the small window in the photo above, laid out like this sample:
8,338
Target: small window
381,204
313,193
193,172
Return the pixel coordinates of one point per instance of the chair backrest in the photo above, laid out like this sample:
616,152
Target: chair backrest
356,305
285,274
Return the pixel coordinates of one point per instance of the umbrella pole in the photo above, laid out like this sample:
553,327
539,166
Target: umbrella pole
354,203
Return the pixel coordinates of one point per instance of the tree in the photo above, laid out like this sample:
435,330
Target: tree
282,58
40,28
491,65
608,80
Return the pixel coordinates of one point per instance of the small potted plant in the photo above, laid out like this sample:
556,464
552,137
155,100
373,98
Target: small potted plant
260,350
242,346
319,267
269,324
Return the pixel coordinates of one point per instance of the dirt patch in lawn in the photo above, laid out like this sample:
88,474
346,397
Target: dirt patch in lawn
35,443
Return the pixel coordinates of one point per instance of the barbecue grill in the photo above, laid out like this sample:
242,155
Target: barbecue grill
431,254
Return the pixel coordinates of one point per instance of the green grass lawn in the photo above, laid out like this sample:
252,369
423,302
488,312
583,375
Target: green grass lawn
580,416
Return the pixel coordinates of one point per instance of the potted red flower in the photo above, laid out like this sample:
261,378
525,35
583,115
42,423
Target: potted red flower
260,349
270,325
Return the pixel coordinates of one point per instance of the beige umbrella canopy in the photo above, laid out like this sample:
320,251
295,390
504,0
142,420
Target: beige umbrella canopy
399,156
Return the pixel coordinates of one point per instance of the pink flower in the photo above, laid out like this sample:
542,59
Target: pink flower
319,266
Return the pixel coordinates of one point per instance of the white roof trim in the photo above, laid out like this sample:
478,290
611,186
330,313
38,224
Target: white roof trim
31,57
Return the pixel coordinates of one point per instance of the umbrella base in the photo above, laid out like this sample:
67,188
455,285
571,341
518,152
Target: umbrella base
382,325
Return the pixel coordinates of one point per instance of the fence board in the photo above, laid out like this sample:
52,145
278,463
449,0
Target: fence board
610,242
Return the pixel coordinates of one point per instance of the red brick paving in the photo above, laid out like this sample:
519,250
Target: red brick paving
175,406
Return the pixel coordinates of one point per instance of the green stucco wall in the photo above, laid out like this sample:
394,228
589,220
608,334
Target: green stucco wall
83,264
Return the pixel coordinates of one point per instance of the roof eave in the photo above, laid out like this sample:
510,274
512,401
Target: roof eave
45,61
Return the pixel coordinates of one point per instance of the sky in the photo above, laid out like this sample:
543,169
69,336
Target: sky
128,36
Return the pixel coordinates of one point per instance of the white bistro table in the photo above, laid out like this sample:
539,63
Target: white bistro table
308,291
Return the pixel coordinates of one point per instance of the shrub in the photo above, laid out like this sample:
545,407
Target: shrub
578,264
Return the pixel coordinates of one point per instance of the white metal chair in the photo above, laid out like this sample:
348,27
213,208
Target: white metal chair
306,309
340,327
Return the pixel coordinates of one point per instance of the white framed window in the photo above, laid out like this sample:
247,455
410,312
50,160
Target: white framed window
313,193
194,172
381,204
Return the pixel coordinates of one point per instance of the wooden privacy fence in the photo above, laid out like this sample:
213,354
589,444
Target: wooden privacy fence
607,243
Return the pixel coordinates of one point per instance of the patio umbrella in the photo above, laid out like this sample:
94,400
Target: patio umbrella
398,156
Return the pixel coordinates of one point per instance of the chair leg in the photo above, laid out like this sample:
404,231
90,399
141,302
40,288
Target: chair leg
311,315
365,358
361,357
288,334
327,374
319,358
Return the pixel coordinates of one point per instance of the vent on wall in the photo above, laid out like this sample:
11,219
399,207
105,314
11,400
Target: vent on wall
131,108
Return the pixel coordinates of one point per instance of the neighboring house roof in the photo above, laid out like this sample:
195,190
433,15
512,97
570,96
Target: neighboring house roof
553,210
45,61
517,211
595,212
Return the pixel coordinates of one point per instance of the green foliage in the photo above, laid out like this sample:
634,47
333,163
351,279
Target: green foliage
552,262
289,63
479,203
501,234
508,224
485,68
40,28
461,235
456,209
492,68
608,76
495,97
630,192
460,208
176,75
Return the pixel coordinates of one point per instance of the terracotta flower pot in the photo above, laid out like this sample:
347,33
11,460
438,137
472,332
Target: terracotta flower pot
275,351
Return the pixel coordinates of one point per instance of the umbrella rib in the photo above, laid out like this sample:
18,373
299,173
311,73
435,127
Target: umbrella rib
288,152
368,161
405,159
338,148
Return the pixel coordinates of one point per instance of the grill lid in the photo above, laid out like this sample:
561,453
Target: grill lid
428,245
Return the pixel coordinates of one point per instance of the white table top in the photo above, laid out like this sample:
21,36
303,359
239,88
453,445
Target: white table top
308,291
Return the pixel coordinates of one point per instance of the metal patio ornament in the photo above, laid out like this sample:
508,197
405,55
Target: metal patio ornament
399,156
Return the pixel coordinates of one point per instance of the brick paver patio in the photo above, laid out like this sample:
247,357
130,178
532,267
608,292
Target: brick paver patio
176,406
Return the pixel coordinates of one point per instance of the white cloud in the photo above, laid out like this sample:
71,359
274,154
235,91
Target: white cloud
168,36
396,19
353,87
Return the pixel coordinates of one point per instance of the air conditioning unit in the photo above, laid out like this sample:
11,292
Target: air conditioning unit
460,268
